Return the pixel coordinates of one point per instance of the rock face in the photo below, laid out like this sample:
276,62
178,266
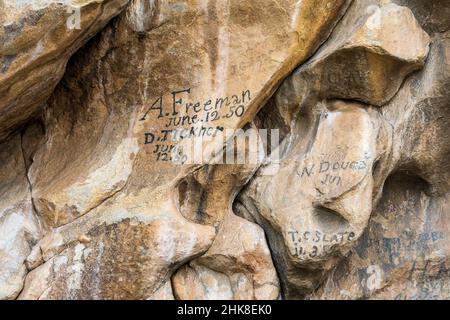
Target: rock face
224,150
339,154
366,60
331,185
19,226
37,37
238,265
402,259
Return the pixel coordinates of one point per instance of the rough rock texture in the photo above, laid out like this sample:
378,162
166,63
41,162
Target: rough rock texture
329,199
326,225
102,178
112,180
366,59
238,265
37,37
19,226
404,252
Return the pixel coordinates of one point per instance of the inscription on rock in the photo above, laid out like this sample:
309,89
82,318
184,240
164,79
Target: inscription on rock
184,118
316,244
330,172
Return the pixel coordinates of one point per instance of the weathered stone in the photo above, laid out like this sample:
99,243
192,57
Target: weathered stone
419,114
129,255
166,66
36,40
404,254
124,180
237,266
432,15
368,56
76,171
421,103
163,293
331,183
19,228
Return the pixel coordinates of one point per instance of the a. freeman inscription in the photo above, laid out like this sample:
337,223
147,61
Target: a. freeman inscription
187,119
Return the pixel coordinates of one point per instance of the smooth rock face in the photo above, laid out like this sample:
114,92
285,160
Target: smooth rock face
36,40
116,175
94,150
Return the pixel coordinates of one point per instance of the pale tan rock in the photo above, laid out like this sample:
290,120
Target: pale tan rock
419,116
403,254
130,255
163,293
35,258
36,40
318,204
432,15
336,154
368,56
237,266
95,171
98,201
19,228
93,150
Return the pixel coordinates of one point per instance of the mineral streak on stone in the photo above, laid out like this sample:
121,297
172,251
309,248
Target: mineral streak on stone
112,112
